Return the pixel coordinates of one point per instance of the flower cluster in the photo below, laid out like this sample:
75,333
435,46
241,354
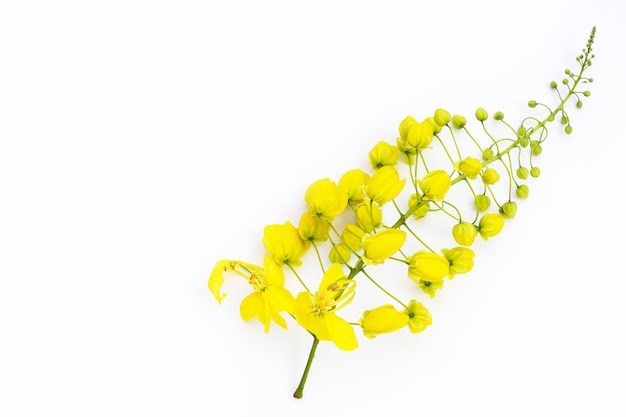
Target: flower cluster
344,222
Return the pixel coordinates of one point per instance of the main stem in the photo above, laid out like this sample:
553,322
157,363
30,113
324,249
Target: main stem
298,392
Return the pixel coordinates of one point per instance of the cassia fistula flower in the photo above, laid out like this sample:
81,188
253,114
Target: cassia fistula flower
284,243
469,166
313,228
419,316
353,184
460,259
325,200
352,236
490,225
369,216
383,319
464,233
427,266
316,312
385,185
383,154
382,245
435,185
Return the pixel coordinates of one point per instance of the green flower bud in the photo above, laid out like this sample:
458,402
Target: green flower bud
524,142
568,129
481,114
553,84
532,104
434,124
550,118
490,176
339,254
565,81
508,209
522,173
498,115
564,120
458,121
522,191
521,131
464,233
579,104
535,172
482,202
537,150
442,117
587,93
487,154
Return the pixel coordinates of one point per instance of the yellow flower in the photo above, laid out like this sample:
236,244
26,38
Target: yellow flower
419,316
352,236
313,228
385,185
283,241
353,183
442,117
464,233
382,245
490,225
405,125
216,280
316,312
368,216
435,185
430,288
383,154
269,298
461,260
422,210
490,176
470,167
325,200
427,266
383,319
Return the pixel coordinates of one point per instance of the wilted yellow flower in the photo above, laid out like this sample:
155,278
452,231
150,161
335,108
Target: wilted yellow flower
325,200
313,228
353,184
369,216
382,245
284,243
490,176
339,254
383,154
385,185
422,210
316,312
435,185
427,266
269,298
383,319
419,316
469,166
461,260
464,233
490,225
352,236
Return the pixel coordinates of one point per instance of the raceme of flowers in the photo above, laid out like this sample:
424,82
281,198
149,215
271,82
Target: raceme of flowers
408,180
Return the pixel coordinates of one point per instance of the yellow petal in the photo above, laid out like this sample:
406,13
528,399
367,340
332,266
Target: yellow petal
382,245
340,332
383,319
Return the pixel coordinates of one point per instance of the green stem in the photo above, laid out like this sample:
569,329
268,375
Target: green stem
298,392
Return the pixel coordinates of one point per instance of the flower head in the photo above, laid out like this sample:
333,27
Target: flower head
419,316
313,228
353,184
464,233
316,312
383,154
460,259
385,185
490,225
435,185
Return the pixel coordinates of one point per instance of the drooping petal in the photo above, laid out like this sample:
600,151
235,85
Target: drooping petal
251,305
217,279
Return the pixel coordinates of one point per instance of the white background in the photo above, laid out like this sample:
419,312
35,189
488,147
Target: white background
140,142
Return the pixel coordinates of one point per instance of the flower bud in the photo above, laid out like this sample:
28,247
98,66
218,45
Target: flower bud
482,202
284,243
535,172
339,254
458,121
461,260
490,225
553,84
508,209
568,130
368,216
521,131
532,104
385,185
469,166
422,210
435,185
383,154
464,233
405,125
498,115
325,200
487,154
383,319
442,117
382,245
536,150
312,228
419,316
524,142
481,114
522,191
522,173
353,184
352,236
433,124
420,135
490,176
427,266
